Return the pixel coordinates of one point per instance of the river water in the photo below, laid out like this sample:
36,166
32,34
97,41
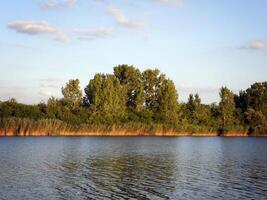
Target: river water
133,168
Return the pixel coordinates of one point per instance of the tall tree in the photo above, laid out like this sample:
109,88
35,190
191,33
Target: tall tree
256,97
257,121
72,94
252,104
131,79
53,108
152,81
227,107
193,103
198,114
168,102
106,98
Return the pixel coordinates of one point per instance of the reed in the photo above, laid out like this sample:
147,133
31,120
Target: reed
53,127
30,127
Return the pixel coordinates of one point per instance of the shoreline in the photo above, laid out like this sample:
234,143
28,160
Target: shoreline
120,133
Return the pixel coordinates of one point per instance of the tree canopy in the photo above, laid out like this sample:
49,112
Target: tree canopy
130,97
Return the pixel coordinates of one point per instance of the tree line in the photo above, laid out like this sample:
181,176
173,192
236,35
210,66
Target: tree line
131,98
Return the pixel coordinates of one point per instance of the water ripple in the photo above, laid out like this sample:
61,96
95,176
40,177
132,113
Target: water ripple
133,168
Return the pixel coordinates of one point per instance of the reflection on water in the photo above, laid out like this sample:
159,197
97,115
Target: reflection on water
133,168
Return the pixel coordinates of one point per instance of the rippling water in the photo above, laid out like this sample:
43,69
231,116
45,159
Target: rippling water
133,168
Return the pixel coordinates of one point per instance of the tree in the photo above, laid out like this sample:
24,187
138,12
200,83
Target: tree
106,97
152,81
168,102
134,99
131,79
53,108
197,113
256,97
193,104
252,105
190,105
12,108
227,108
72,94
257,121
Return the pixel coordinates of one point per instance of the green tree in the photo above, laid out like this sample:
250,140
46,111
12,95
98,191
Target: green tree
256,97
137,100
190,104
106,97
72,94
168,103
227,108
252,106
53,108
193,104
131,79
197,113
257,121
12,108
152,81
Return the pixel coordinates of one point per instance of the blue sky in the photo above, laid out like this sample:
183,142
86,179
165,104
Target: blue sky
201,45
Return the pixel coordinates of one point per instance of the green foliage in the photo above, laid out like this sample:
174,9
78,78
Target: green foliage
257,121
72,94
131,79
11,108
168,103
227,109
193,107
152,81
106,98
256,97
199,116
133,100
53,108
252,105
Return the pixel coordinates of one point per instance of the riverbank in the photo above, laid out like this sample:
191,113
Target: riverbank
121,133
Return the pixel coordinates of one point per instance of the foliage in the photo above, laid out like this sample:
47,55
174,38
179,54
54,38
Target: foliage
133,100
131,79
227,108
106,98
72,94
168,103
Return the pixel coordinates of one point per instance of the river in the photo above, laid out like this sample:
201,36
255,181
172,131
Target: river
133,168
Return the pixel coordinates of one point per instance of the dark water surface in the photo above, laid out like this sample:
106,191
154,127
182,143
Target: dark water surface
133,168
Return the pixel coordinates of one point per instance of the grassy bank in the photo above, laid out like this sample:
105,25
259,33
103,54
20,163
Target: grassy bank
54,127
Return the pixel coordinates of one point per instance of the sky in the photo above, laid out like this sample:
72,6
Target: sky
200,45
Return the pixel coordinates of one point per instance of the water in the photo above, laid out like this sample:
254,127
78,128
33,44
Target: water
133,168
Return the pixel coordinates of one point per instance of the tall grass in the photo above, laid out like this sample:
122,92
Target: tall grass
53,127
29,127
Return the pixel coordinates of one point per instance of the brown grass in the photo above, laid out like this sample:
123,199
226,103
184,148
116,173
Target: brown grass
52,127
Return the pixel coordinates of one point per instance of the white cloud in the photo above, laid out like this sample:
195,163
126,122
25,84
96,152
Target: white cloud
37,27
93,33
57,4
256,45
122,20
